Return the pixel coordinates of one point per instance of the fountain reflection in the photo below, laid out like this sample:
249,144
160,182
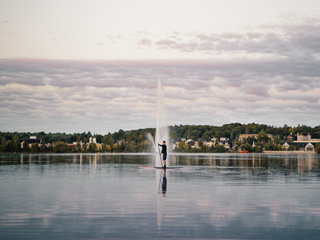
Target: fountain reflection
162,190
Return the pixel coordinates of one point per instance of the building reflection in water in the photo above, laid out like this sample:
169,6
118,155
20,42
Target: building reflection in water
288,162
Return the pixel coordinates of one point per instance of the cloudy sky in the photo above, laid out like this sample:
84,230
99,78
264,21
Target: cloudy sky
80,65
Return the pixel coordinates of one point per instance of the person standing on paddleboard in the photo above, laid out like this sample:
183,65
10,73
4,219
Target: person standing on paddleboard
163,152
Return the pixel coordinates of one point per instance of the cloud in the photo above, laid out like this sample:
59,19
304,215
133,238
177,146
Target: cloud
290,39
268,75
101,43
145,42
102,96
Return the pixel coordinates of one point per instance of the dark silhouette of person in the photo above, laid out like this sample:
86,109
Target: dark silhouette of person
164,183
163,153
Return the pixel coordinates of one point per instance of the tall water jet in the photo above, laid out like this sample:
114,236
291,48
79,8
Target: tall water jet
162,130
162,134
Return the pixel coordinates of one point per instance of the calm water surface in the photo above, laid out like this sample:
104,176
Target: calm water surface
219,196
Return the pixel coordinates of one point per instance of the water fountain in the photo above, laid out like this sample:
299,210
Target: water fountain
162,130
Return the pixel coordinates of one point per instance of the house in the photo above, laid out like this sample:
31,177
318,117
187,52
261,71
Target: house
190,141
305,142
243,136
72,144
208,144
303,138
224,139
32,140
309,147
214,140
301,146
289,138
286,146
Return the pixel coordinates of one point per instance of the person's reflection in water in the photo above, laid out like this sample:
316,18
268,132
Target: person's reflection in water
164,183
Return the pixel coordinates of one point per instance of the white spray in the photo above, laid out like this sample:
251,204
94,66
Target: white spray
162,130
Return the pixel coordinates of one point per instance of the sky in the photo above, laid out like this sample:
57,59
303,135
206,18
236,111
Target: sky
80,65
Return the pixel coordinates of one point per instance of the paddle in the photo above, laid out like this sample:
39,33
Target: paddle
160,155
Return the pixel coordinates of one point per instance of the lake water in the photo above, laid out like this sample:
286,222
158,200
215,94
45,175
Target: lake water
214,196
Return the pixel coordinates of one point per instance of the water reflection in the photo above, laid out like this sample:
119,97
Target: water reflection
162,190
164,183
218,196
292,162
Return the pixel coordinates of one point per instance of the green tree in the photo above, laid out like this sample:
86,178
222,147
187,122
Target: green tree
257,149
276,139
145,146
246,147
60,147
9,146
3,146
84,144
200,143
92,147
103,148
119,135
219,148
262,137
271,146
26,145
35,148
79,146
16,143
107,139
183,147
204,148
116,147
247,130
292,148
218,134
231,136
249,140
194,134
43,148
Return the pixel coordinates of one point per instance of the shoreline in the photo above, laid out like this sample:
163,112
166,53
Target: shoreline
289,152
154,153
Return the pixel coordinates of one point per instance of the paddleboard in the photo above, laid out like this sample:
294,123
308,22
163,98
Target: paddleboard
174,167
167,167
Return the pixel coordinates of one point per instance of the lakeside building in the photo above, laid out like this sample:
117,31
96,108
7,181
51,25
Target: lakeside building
223,141
303,143
243,136
303,138
32,140
289,138
81,144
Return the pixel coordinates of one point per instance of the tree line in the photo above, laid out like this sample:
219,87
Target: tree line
136,141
